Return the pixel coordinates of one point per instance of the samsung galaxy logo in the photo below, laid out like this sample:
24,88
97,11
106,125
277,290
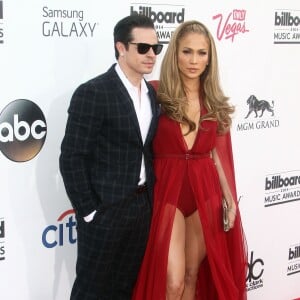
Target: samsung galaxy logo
66,23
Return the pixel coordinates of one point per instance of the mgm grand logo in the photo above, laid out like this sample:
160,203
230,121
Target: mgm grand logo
259,106
261,112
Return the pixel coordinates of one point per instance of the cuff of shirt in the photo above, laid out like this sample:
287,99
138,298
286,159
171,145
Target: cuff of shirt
90,217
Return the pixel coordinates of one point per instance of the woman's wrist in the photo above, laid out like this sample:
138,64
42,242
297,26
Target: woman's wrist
232,210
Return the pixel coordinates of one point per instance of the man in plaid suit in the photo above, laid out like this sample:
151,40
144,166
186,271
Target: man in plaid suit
106,165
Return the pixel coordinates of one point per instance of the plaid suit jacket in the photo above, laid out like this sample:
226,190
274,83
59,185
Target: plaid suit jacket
102,149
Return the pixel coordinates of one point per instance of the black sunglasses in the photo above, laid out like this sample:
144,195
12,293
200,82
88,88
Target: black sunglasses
143,48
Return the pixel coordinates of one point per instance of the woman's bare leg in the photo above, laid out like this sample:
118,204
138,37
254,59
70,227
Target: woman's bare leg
195,252
176,259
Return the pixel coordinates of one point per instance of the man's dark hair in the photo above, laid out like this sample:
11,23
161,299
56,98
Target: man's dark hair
123,29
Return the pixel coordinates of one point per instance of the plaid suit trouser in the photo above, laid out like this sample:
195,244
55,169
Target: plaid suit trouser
110,250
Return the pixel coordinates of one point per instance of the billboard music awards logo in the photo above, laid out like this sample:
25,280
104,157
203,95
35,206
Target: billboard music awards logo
23,130
287,26
293,260
67,23
254,278
231,25
260,115
2,237
282,188
166,17
1,23
61,233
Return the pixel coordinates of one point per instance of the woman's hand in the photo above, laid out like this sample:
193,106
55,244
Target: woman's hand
231,213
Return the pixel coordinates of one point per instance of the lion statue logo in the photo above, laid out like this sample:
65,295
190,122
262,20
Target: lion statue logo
256,105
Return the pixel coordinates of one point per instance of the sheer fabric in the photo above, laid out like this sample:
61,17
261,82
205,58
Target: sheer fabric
222,274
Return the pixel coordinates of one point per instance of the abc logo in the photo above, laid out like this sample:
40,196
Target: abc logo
23,130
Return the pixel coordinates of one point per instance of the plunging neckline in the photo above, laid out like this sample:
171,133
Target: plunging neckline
185,144
197,131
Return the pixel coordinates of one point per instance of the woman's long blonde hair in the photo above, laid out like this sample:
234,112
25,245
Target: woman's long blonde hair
171,91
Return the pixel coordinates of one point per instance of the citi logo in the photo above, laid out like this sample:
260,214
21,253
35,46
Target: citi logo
286,19
294,253
62,232
23,130
159,16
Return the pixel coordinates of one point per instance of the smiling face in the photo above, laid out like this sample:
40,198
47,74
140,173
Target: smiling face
193,55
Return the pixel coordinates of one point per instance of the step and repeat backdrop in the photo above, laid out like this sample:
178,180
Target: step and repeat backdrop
49,47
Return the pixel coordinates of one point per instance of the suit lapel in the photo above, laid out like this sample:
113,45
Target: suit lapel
154,114
126,101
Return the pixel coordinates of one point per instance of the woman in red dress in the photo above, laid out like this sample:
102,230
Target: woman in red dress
189,255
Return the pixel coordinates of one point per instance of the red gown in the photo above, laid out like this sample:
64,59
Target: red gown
222,274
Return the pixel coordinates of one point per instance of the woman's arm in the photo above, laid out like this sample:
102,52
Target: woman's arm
225,188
